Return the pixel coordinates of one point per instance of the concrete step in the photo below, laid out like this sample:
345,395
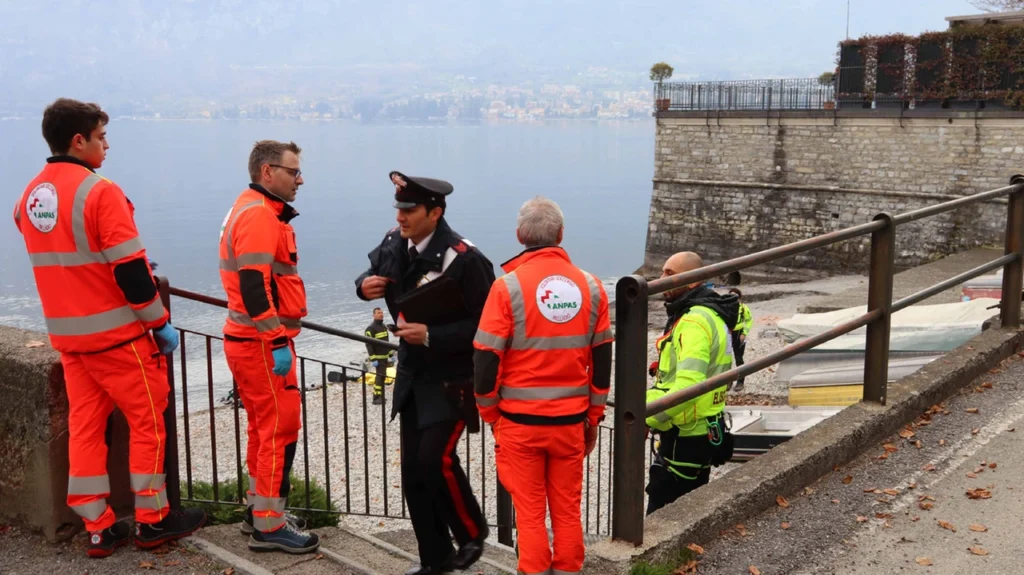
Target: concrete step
228,545
497,560
364,554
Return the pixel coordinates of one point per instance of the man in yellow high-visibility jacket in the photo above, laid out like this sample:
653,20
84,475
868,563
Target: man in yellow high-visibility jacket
739,336
696,345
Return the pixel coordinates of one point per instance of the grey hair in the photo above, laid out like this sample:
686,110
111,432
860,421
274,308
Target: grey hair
539,222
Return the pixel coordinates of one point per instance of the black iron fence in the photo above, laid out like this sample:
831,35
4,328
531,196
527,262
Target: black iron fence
347,446
631,304
785,94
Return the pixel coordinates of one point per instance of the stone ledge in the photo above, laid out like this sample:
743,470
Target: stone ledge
702,514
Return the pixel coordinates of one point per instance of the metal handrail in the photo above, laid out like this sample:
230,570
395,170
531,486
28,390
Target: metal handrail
203,298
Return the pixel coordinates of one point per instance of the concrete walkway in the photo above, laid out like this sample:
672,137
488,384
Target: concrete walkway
894,508
911,281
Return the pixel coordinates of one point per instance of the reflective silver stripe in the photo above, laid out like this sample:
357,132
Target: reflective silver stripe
272,504
17,213
598,399
715,345
92,510
152,312
515,296
268,324
268,523
694,364
78,212
282,269
158,501
92,485
291,322
602,337
252,485
65,259
487,401
595,301
556,342
560,572
121,250
544,392
255,259
490,340
90,324
662,417
147,481
547,572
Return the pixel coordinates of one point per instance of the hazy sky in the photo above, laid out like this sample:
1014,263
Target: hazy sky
207,47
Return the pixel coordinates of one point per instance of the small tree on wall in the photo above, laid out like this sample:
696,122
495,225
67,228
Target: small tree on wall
659,73
998,5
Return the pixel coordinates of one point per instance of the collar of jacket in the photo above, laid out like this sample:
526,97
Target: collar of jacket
69,160
535,253
285,212
434,254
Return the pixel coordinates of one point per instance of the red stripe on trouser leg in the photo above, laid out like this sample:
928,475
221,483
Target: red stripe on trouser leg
453,485
566,452
273,403
522,468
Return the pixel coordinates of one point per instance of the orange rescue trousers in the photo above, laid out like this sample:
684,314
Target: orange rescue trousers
541,466
272,406
132,377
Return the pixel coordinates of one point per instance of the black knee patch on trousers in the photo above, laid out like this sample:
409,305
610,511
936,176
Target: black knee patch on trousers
289,458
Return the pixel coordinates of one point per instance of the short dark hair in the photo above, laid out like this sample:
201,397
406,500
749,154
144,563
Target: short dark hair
268,152
66,118
736,291
377,309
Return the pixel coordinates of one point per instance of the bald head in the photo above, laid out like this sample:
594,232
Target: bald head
681,262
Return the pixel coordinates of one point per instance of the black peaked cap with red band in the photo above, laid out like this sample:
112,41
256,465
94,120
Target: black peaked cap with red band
413,191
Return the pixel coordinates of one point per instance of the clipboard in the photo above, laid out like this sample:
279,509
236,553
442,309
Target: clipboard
437,301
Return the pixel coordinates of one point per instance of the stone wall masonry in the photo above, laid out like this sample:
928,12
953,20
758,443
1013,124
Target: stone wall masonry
734,186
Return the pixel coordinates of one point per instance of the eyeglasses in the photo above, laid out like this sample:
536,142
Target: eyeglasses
295,172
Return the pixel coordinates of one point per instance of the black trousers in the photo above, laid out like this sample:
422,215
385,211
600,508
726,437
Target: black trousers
437,492
667,482
738,347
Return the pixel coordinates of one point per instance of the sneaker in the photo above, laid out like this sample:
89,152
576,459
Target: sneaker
246,527
178,523
287,539
378,399
103,543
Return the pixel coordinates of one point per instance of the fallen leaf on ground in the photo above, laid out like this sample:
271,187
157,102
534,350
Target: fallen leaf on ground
915,518
319,556
695,548
890,492
1011,430
146,565
883,515
975,431
861,519
947,525
174,563
979,390
808,491
980,469
979,493
882,500
741,529
887,525
871,490
987,385
229,571
929,467
847,480
977,550
906,434
925,505
835,501
35,344
890,448
924,561
754,570
942,442
884,455
912,485
918,444
978,528
781,501
972,475
972,410
687,569
784,525
992,465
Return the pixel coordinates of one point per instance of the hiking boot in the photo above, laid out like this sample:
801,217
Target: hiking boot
246,527
378,399
178,523
287,539
103,543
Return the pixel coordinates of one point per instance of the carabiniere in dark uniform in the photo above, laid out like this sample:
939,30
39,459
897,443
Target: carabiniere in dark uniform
433,384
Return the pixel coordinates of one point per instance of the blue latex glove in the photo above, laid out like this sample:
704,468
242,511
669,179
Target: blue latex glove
282,360
374,363
168,338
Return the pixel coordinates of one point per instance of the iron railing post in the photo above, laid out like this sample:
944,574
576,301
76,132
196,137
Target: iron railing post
504,516
630,407
876,349
170,416
1013,271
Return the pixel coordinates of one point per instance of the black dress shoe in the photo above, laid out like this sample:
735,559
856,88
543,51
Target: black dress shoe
468,554
435,570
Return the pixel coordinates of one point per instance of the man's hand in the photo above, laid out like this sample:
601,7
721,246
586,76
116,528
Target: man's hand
589,437
743,338
412,333
373,287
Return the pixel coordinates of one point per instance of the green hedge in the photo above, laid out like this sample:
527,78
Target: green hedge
227,513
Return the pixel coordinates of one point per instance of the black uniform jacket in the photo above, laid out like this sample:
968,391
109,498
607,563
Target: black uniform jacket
422,370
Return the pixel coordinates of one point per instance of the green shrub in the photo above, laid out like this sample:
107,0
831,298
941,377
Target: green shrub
667,567
227,512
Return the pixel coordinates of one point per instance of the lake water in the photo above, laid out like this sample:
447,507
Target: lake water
184,176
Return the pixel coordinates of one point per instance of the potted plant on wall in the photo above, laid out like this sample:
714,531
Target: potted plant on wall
826,79
659,73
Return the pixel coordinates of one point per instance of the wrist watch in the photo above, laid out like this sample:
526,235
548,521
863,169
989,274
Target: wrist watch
426,338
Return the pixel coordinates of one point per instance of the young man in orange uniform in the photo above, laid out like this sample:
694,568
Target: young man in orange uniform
266,304
542,373
100,304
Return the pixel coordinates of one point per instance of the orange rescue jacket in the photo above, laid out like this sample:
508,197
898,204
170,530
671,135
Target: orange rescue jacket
258,268
78,227
543,319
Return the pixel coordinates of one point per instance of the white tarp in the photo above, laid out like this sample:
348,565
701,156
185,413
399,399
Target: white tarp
918,328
